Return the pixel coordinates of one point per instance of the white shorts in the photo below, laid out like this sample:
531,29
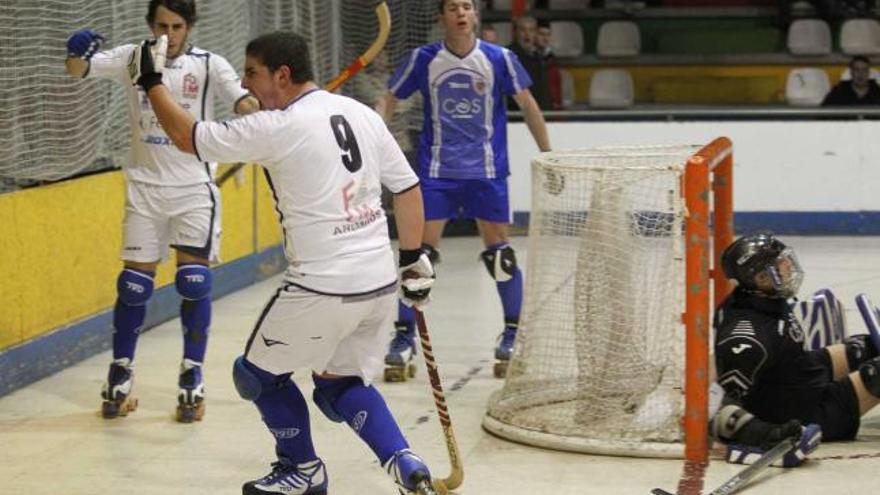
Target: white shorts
342,335
156,217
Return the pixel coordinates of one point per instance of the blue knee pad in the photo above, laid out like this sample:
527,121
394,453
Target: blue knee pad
328,390
134,287
250,381
193,282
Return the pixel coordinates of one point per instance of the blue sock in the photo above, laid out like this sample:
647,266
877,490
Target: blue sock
286,414
365,411
406,315
127,323
196,319
511,292
134,289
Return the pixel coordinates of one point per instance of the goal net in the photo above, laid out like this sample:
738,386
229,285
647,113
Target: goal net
599,364
53,127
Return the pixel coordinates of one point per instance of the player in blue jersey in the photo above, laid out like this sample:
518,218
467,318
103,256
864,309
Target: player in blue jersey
462,157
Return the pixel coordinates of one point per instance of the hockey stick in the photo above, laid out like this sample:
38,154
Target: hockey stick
871,315
456,476
741,479
384,17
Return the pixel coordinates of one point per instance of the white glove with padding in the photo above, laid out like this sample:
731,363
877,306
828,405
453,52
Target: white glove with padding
416,278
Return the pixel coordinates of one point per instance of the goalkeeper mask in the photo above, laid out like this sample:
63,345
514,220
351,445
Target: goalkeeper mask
763,265
782,277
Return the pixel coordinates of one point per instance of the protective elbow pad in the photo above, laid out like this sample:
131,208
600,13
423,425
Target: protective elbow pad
327,390
869,371
193,282
500,263
247,383
134,287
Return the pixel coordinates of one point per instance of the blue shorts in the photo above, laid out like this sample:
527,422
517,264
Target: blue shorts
448,199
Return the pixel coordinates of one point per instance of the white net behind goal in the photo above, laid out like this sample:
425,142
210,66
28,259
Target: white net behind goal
52,127
598,365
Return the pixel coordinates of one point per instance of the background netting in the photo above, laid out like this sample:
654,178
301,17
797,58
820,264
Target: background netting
53,127
599,360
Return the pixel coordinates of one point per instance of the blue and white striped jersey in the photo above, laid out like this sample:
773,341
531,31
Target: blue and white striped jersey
464,135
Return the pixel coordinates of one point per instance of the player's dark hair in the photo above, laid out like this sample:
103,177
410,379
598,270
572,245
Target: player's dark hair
859,58
183,8
283,48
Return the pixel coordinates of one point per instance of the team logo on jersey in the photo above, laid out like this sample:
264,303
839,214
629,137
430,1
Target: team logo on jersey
795,331
190,86
480,86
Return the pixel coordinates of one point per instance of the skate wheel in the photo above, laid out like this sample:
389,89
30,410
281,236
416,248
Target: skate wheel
111,409
411,370
395,375
500,369
188,414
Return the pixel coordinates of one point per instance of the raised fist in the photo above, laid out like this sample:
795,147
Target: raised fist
83,44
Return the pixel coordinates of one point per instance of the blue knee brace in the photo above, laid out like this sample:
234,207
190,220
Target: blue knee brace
193,282
327,390
134,287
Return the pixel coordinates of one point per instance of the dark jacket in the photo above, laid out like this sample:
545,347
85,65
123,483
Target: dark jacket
761,360
844,94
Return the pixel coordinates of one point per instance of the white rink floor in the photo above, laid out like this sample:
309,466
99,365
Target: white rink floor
52,440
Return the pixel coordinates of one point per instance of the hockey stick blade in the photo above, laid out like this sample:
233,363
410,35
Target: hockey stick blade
741,479
383,15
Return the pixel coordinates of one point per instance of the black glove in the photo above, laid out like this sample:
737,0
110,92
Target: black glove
147,61
758,433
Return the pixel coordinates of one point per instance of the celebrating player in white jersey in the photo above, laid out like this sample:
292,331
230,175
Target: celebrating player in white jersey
462,155
326,158
170,198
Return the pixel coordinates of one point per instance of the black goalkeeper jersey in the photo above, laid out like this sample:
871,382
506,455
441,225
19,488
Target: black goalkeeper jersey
761,361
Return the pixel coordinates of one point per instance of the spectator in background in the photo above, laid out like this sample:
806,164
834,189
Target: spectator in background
859,89
488,33
544,49
524,33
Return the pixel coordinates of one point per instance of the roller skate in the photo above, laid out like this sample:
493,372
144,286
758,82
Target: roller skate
191,396
116,391
410,473
399,365
307,478
503,351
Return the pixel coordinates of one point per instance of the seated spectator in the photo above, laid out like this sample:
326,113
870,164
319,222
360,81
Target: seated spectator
860,89
488,33
544,48
524,32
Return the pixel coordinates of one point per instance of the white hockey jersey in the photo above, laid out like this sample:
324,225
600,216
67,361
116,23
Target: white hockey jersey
193,78
326,158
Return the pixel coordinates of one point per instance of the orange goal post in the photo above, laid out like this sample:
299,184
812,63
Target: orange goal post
613,351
